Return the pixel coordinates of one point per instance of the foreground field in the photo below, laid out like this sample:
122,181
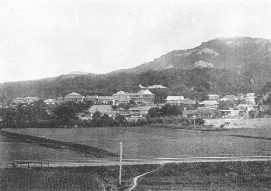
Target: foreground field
241,176
151,142
68,179
233,176
27,179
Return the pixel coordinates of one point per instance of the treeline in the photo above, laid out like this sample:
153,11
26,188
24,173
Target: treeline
194,84
39,115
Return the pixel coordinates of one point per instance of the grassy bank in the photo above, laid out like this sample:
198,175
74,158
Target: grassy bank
55,144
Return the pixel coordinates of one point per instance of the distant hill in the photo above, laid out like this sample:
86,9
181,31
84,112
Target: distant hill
222,66
247,56
227,53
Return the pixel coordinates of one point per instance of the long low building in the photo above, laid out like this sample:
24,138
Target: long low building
143,97
201,112
25,100
76,97
140,111
179,100
107,109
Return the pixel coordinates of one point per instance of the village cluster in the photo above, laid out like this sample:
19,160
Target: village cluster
136,105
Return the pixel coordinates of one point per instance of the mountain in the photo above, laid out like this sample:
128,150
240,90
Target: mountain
222,66
228,53
249,56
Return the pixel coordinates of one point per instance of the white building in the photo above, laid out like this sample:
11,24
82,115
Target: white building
179,100
213,104
213,97
250,98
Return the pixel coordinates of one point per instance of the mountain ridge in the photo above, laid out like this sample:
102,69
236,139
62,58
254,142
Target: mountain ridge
228,53
221,65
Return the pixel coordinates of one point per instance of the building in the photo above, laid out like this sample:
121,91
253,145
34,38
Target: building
121,97
230,113
174,100
92,98
107,109
247,107
75,97
140,111
30,100
18,101
179,100
25,100
143,97
213,104
60,100
201,112
50,101
250,98
108,100
213,97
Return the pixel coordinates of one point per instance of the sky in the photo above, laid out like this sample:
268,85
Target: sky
46,38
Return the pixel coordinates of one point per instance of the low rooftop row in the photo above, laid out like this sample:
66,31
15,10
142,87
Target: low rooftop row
143,97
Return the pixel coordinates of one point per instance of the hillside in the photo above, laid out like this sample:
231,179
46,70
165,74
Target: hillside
223,66
227,53
248,56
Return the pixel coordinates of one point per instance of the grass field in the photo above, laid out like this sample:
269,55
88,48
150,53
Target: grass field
29,179
241,176
233,176
68,179
151,142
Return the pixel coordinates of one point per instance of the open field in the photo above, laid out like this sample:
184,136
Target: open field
241,176
233,176
150,142
11,149
29,179
66,178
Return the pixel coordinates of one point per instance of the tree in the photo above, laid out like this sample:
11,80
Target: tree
154,112
169,110
106,121
64,113
24,115
226,105
199,121
97,119
120,120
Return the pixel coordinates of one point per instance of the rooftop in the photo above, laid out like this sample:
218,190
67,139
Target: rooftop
169,98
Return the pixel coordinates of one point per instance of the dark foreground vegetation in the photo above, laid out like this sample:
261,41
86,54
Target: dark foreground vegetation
70,179
210,176
185,176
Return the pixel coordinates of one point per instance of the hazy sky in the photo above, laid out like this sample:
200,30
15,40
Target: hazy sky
45,38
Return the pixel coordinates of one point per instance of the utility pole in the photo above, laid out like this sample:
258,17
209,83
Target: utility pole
120,163
194,133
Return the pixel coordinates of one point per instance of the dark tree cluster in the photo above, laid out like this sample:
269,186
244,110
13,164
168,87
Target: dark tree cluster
24,115
166,110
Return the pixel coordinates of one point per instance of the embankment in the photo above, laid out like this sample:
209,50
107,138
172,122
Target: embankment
50,143
240,123
191,127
